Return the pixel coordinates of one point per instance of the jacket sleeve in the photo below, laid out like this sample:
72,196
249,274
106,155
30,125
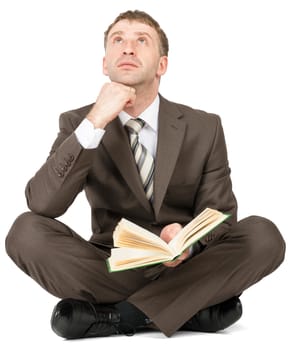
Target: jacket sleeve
215,190
56,184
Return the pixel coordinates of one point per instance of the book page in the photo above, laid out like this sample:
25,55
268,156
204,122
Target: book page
128,234
127,258
196,229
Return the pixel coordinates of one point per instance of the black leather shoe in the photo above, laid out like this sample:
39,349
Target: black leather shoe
216,317
72,319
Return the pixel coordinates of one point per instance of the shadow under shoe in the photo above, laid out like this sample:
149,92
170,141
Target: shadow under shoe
73,319
216,317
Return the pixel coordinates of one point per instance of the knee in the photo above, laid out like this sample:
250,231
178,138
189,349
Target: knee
20,239
265,241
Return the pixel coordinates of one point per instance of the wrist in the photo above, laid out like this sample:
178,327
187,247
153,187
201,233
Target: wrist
98,123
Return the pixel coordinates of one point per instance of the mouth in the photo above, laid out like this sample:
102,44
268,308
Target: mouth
127,65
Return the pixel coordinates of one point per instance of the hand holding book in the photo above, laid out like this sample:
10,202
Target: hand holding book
167,234
137,247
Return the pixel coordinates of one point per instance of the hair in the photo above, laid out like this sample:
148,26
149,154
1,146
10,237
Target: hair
145,18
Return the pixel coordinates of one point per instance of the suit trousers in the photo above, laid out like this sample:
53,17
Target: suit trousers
68,266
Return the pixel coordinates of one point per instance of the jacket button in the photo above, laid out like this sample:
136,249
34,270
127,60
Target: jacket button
71,157
59,173
68,162
64,168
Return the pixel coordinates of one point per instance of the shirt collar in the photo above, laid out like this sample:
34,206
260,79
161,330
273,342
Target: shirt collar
149,115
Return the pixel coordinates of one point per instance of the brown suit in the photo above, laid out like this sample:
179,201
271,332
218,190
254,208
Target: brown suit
191,173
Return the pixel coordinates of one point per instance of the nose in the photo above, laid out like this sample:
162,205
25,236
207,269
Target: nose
128,52
129,49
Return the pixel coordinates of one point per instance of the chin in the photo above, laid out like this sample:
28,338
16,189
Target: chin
128,81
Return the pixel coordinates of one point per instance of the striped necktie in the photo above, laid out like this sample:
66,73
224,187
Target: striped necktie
143,158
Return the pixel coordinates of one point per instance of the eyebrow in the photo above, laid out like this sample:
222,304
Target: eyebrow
120,32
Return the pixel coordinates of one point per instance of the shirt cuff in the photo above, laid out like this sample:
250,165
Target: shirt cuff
87,136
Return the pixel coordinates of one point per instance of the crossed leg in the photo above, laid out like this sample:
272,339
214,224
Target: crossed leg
68,266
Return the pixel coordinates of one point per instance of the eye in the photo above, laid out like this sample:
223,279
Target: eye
142,40
117,40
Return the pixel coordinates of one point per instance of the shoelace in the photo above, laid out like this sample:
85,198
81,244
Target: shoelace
105,318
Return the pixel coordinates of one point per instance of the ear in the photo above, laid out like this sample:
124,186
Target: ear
104,64
163,65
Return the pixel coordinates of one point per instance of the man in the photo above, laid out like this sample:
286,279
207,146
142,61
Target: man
159,177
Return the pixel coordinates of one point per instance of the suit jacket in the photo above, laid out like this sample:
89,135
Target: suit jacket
191,173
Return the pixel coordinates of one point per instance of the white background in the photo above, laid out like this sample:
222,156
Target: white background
227,57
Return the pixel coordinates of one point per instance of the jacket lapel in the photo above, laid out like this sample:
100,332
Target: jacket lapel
116,142
170,137
171,132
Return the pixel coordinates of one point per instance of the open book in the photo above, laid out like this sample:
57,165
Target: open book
137,247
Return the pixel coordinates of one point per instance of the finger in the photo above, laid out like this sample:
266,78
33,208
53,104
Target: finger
170,231
130,101
173,263
130,90
185,255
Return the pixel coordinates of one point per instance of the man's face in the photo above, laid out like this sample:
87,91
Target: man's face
132,54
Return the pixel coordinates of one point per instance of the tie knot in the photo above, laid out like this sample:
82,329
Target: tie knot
135,125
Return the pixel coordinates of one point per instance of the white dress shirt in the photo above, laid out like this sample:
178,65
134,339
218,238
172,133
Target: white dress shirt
90,138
